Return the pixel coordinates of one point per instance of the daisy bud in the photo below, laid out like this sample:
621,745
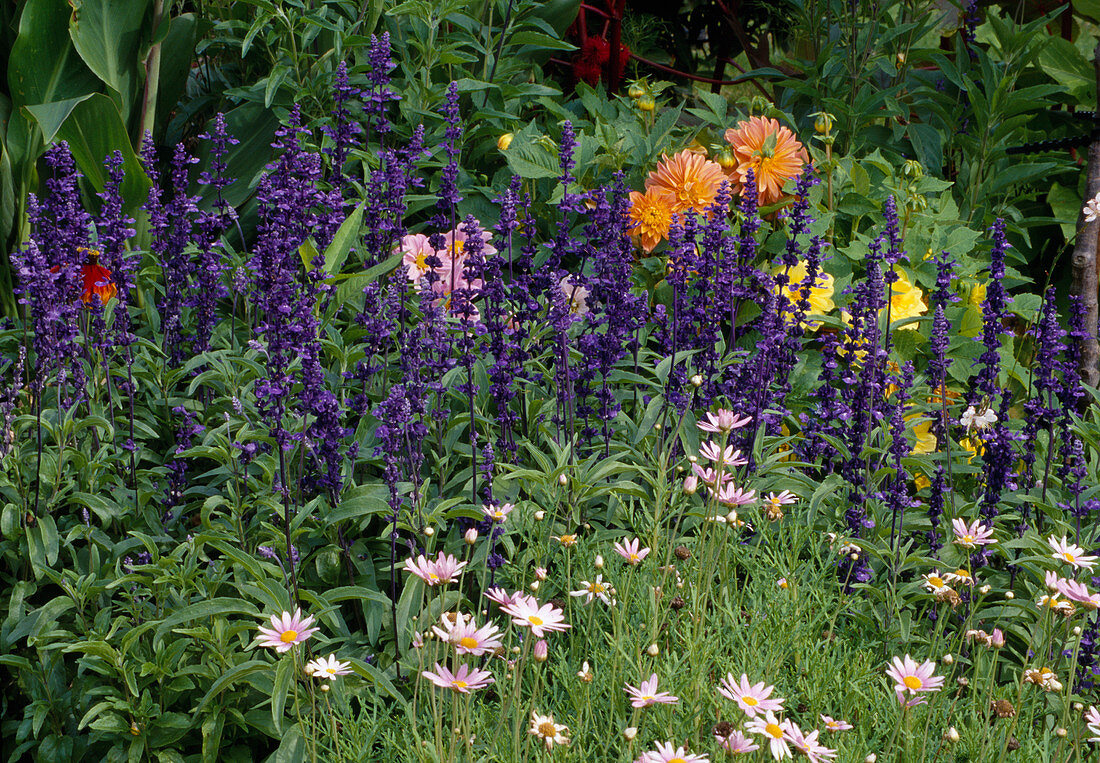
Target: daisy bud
540,573
693,459
948,659
1009,595
679,469
630,732
471,536
952,735
541,650
691,484
1077,631
599,562
515,650
985,589
963,681
324,687
429,531
1078,706
534,585
653,650
697,381
539,515
854,557
563,480
870,758
309,669
658,426
1061,732
585,673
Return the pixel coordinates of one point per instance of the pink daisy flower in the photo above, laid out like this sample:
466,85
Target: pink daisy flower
774,731
462,680
646,695
497,513
728,456
328,667
666,753
467,637
1064,551
832,724
1079,592
909,677
502,597
972,535
751,698
729,495
807,744
441,571
775,500
526,613
708,476
736,743
631,551
723,421
286,631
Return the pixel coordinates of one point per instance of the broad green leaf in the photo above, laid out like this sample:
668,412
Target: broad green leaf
284,676
44,66
50,116
204,609
107,35
93,130
255,127
176,52
229,677
346,235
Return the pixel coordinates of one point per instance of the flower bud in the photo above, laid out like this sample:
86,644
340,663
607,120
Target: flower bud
1009,595
471,536
870,758
997,638
599,562
697,381
952,735
539,515
1061,732
691,484
504,141
823,125
563,480
948,659
630,732
534,585
541,650
985,589
429,531
1077,630
653,650
647,102
540,573
635,91
324,687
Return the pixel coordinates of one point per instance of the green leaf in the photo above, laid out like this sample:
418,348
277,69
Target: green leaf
44,67
255,127
284,674
340,245
202,609
225,679
50,116
107,35
93,130
176,52
356,283
541,40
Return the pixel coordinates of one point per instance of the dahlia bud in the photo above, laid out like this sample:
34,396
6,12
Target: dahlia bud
646,102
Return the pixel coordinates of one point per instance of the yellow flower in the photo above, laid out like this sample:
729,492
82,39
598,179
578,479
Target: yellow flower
926,440
977,294
771,151
821,293
974,445
688,179
906,301
651,214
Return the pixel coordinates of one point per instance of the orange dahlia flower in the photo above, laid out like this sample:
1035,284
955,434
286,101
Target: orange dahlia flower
771,151
689,179
651,215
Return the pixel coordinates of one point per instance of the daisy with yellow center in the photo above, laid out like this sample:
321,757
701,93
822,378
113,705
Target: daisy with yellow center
462,681
913,679
650,217
567,539
774,730
328,668
461,631
770,151
543,727
933,581
690,181
751,698
286,631
596,589
1073,555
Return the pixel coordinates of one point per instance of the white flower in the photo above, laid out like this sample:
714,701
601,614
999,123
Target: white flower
972,418
1092,209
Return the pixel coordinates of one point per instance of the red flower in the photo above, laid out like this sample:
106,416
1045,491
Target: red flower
97,281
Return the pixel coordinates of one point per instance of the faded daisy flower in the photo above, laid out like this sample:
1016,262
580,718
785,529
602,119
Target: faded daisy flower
543,727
